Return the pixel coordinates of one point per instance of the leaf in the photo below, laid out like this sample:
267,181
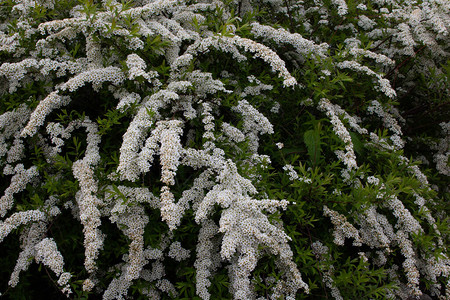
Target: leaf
118,193
358,146
312,141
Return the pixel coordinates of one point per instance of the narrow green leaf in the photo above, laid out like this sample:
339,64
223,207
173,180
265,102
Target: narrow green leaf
312,141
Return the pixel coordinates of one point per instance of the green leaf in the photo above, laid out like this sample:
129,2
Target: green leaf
312,141
358,146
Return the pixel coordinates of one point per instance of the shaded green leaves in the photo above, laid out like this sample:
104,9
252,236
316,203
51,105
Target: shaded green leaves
312,141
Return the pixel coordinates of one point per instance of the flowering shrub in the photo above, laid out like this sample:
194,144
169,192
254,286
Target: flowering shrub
212,149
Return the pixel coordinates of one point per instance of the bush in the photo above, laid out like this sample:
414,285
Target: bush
224,149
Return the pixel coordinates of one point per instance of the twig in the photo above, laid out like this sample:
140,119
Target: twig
50,277
381,43
404,61
334,32
289,15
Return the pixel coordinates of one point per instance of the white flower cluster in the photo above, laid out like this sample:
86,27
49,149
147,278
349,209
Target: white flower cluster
406,221
383,84
152,8
94,76
21,177
233,133
441,157
366,23
48,254
88,285
132,223
302,46
170,211
342,228
414,170
86,198
130,216
182,96
15,72
18,219
54,100
11,123
93,53
389,122
255,90
373,180
203,82
131,162
409,264
426,23
244,227
348,157
378,57
136,67
293,175
126,99
253,119
420,201
170,150
255,123
342,8
376,231
276,107
229,44
208,122
361,6
44,108
327,269
9,43
177,252
206,261
29,237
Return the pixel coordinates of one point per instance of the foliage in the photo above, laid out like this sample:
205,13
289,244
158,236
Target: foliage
210,149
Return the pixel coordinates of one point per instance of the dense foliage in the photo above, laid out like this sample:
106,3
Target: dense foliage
266,149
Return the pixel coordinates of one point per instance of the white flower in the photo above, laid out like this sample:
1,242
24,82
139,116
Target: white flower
18,183
321,253
47,253
361,6
177,252
20,218
341,5
342,228
44,108
348,157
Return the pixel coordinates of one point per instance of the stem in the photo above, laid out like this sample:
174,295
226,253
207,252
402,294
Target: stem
334,32
381,43
50,277
289,15
404,61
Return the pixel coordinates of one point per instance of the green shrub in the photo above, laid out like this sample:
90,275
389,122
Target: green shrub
224,149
